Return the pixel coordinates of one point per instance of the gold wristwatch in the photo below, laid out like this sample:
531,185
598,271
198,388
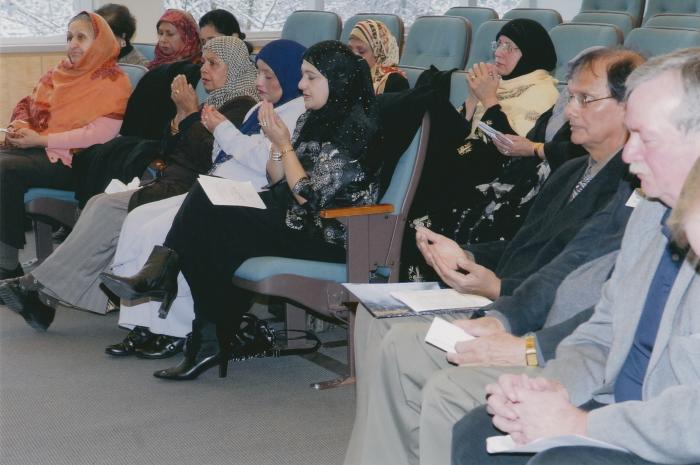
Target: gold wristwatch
531,350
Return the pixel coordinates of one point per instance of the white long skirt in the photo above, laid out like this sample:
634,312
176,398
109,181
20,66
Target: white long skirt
144,228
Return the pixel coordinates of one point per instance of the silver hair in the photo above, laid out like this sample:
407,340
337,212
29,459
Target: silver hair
686,64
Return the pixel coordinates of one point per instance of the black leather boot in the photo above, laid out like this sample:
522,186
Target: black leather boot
25,302
137,337
208,345
157,279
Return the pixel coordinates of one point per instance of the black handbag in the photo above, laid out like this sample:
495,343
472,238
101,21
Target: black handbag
255,338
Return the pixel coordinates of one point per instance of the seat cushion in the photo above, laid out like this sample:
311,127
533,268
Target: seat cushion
42,193
259,268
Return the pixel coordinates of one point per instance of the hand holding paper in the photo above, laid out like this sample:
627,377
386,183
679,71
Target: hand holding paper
444,335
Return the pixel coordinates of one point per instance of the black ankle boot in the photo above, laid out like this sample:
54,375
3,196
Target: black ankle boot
26,303
208,345
157,279
138,337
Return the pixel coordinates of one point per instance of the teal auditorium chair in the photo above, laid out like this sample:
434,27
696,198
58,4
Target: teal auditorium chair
686,21
481,45
634,8
653,41
571,38
374,235
147,50
412,73
442,41
308,27
393,22
656,7
546,17
474,14
623,21
54,207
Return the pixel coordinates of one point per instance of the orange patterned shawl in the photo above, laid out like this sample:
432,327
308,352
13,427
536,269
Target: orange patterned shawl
71,96
383,44
189,34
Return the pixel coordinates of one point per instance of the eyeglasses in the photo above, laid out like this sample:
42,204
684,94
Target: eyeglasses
585,100
507,46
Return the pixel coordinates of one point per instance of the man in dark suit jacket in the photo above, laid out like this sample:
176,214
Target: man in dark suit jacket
394,384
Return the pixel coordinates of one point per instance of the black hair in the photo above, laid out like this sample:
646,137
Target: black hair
223,21
620,64
120,20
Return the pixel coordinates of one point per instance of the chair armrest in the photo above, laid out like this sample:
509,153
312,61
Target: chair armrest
357,211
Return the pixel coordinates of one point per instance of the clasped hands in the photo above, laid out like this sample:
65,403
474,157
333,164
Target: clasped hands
20,135
483,80
184,96
533,408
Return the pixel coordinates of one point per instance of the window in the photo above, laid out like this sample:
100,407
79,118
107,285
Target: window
269,15
38,18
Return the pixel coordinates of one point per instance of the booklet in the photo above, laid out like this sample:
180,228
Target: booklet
223,191
380,301
505,444
445,335
439,299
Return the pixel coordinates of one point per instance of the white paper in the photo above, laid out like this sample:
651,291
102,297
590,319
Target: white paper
505,444
223,191
445,335
115,185
439,299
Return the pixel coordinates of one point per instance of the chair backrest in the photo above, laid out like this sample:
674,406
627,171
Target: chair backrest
309,27
571,38
442,41
634,8
404,180
134,72
412,73
546,17
147,50
623,21
474,14
653,41
202,94
481,45
459,90
686,21
393,22
655,7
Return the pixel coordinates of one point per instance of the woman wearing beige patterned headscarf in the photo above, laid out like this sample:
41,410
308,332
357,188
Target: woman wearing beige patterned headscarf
373,41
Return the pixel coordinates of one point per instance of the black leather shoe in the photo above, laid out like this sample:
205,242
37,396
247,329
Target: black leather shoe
157,279
27,304
137,337
161,347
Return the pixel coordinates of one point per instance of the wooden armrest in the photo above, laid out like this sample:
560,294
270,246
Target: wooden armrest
357,211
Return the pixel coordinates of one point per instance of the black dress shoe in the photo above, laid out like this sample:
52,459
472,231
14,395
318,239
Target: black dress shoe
161,346
27,304
137,337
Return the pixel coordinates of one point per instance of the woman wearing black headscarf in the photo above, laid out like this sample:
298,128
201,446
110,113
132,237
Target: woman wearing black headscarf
509,95
320,167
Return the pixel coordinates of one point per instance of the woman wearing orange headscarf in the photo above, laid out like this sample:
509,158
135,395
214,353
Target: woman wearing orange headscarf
178,39
373,41
78,103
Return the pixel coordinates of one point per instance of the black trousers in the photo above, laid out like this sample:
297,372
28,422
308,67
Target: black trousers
469,448
20,170
213,241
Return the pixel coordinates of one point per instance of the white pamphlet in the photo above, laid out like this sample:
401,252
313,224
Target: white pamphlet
439,299
505,444
223,191
445,335
115,185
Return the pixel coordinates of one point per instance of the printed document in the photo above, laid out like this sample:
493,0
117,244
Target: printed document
223,191
439,299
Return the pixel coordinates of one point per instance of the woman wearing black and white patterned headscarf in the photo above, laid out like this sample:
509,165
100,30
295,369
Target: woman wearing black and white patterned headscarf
240,71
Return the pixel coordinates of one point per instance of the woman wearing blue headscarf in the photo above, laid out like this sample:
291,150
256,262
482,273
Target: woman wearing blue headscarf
238,154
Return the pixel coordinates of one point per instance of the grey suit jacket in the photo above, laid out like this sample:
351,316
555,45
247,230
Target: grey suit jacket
665,426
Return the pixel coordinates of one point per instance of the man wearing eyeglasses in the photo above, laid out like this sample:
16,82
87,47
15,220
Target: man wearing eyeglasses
409,396
630,376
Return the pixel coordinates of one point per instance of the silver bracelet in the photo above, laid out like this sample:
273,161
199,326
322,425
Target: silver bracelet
275,156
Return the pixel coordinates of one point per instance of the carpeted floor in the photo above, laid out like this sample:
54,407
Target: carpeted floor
63,401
